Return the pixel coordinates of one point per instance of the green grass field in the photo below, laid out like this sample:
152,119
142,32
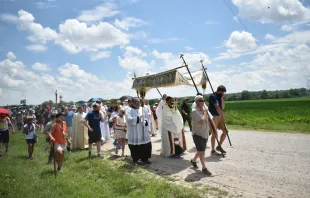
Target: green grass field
287,115
84,177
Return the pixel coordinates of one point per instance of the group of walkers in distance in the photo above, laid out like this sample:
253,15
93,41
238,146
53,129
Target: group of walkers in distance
133,121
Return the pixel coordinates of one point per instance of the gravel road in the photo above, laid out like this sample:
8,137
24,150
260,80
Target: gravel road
260,164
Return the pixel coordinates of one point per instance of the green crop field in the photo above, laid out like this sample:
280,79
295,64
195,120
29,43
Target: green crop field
287,115
85,177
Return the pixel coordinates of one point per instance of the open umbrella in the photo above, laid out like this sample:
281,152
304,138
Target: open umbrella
95,99
5,111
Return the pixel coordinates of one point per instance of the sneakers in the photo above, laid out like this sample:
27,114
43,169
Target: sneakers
206,171
100,155
89,153
70,152
194,164
219,148
59,169
215,153
30,158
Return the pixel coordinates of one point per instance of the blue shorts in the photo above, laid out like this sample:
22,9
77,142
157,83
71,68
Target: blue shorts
4,136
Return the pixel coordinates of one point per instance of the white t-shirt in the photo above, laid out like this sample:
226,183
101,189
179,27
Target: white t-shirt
30,135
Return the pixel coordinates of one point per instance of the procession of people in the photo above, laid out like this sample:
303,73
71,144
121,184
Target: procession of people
133,123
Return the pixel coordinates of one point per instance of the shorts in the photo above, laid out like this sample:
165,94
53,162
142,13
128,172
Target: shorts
94,137
4,136
110,124
30,141
218,122
200,143
60,147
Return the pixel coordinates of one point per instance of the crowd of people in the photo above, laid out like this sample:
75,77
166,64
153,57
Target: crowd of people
134,121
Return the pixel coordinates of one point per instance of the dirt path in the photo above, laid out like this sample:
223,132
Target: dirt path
260,164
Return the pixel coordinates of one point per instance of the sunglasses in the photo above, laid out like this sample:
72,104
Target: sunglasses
201,100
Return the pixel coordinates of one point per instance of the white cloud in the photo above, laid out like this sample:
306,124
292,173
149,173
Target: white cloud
240,41
71,81
269,37
99,13
37,32
159,40
272,11
45,4
212,22
36,48
74,36
100,55
286,28
129,22
188,48
9,18
11,56
173,60
133,60
41,67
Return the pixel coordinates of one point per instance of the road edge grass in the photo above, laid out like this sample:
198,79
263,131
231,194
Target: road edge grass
82,176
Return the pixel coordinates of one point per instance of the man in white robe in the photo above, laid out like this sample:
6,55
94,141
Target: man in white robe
139,141
104,126
170,124
148,113
80,136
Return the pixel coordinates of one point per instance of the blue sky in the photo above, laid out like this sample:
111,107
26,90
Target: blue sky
91,48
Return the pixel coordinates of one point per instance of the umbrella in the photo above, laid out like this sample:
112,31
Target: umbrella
5,111
95,99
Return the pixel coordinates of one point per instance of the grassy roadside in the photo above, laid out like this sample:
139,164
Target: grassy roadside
83,177
283,115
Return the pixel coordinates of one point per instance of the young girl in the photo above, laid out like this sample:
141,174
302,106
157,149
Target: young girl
120,131
29,131
58,136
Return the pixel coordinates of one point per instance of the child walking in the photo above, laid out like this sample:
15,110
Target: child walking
120,131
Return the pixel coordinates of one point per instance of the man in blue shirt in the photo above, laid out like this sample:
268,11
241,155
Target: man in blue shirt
93,119
216,105
68,118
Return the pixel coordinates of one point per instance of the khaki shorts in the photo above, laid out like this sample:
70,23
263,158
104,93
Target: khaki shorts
219,124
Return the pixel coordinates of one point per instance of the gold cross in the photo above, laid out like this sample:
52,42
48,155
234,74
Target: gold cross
175,104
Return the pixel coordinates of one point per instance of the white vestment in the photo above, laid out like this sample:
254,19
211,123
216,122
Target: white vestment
148,113
137,131
79,131
104,127
170,124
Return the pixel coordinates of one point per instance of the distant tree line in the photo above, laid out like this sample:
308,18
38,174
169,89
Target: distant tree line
259,95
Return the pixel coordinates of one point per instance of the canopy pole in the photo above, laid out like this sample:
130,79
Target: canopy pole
204,71
209,119
182,56
159,93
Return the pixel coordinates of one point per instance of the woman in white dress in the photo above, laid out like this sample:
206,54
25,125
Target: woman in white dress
120,131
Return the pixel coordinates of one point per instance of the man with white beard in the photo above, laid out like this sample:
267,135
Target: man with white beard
170,124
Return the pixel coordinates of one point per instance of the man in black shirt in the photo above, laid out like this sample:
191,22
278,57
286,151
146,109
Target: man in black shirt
186,113
216,105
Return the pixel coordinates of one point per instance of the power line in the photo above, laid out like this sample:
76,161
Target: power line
294,36
235,15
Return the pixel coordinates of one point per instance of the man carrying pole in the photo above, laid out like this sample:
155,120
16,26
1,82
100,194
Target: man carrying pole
209,119
216,105
221,99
